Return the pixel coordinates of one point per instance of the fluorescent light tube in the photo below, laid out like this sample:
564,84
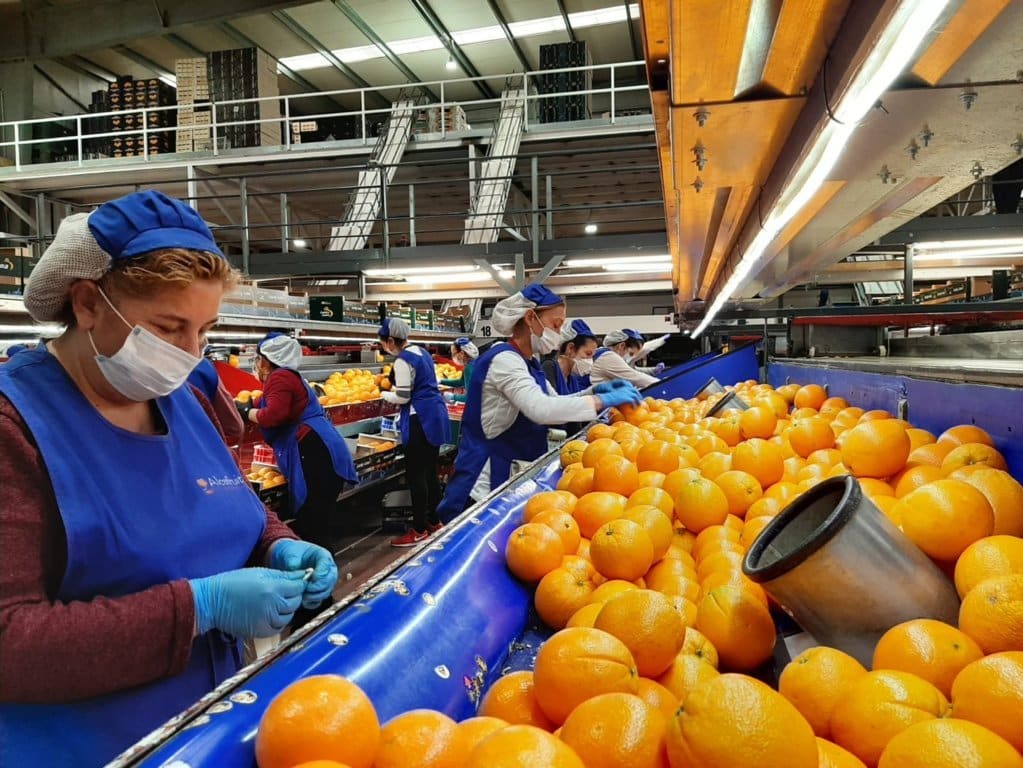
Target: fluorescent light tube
952,245
625,269
409,271
661,258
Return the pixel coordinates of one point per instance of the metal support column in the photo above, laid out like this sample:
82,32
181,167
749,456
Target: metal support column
384,212
192,187
412,215
495,274
520,271
243,199
285,234
42,224
8,202
549,207
534,181
548,269
907,274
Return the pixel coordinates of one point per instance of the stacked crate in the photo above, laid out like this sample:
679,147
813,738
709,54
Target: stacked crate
245,73
126,96
194,133
307,128
559,109
449,120
98,147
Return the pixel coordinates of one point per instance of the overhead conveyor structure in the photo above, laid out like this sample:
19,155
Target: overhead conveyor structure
490,195
365,204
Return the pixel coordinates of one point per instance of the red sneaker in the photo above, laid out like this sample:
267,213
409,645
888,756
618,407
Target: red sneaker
410,538
432,529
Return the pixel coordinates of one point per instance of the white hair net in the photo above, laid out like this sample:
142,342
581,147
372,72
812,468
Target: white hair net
509,311
470,349
396,328
615,337
282,351
73,255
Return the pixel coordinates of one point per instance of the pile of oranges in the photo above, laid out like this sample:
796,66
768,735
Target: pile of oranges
637,561
353,386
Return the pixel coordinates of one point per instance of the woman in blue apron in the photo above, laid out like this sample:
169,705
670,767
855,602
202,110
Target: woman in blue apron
464,353
139,557
565,371
511,404
422,422
205,378
612,360
310,453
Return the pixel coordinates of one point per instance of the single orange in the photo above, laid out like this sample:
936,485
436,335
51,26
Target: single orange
989,692
949,744
831,755
758,421
763,507
615,474
686,672
630,450
793,466
734,522
970,454
919,437
774,402
545,500
475,729
761,459
598,449
834,405
577,664
610,589
728,428
321,717
708,442
512,699
988,558
617,729
533,550
677,480
622,549
735,720
673,577
1004,494
650,479
711,538
810,396
523,746
597,508
563,524
577,482
875,415
809,435
657,497
722,560
700,504
659,456
931,650
825,457
880,705
944,517
753,528
739,626
560,594
965,433
741,489
783,492
656,524
872,488
992,613
912,478
422,738
933,454
571,452
876,449
816,680
648,624
586,615
598,431
714,464
657,696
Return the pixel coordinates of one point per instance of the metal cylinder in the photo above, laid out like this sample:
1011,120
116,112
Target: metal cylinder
712,387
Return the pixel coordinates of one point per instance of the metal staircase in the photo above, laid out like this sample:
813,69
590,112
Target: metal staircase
364,205
490,195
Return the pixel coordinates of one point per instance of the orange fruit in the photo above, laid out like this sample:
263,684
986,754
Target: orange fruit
989,692
880,705
615,474
873,488
578,482
850,414
686,672
650,479
421,737
734,522
875,415
512,698
563,524
657,497
611,589
622,549
578,564
533,551
657,696
944,517
810,396
572,451
992,614
630,449
701,504
712,538
809,435
891,508
721,560
949,744
734,720
657,525
617,729
834,405
788,392
833,756
1004,494
321,717
598,431
965,433
761,459
658,456
912,478
673,577
933,454
816,680
676,480
648,624
586,615
763,508
753,528
727,428
708,443
598,449
741,489
777,404
919,437
825,457
970,454
597,508
320,763
739,625
685,608
696,644
931,650
714,464
560,594
475,729
523,746
758,421
875,448
987,558
545,500
577,664
783,492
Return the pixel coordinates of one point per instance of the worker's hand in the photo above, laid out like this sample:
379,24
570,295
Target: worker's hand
291,555
250,602
610,386
627,395
659,369
449,397
389,397
243,410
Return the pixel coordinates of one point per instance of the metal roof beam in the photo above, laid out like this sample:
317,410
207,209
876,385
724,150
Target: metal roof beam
433,21
637,51
184,45
45,32
519,54
141,60
289,23
46,76
568,22
367,31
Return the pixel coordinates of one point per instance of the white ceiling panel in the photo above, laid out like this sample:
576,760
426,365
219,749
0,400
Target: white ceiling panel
207,38
271,35
458,15
328,25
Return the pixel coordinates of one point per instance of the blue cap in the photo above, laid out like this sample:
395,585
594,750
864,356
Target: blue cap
634,335
15,349
461,341
582,329
148,221
541,296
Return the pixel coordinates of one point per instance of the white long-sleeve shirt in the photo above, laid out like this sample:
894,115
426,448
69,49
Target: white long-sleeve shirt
404,379
611,365
508,390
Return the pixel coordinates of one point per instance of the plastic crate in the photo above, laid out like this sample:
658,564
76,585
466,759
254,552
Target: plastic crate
263,454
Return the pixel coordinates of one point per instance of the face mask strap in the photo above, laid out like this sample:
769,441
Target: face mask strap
111,305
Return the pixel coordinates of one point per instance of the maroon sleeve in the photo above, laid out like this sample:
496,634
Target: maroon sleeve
227,414
285,396
51,651
275,531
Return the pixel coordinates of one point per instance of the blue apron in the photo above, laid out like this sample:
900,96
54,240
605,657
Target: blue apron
426,399
205,378
523,440
284,441
570,385
138,511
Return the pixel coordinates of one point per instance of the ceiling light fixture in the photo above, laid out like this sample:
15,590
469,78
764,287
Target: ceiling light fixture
891,53
403,271
977,244
659,258
451,66
299,243
590,228
649,269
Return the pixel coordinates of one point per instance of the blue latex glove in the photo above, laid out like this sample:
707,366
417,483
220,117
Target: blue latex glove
659,369
250,602
449,397
609,386
290,555
627,395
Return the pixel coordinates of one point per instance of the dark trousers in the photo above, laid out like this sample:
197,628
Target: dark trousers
421,474
312,520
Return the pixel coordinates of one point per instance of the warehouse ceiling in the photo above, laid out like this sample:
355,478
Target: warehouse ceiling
741,90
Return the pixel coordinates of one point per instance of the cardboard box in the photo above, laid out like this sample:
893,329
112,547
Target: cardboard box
328,308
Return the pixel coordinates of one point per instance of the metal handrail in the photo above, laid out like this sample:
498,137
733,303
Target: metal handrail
288,115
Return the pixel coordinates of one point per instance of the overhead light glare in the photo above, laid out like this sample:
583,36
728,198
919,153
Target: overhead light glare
954,245
659,258
170,80
894,49
973,254
403,271
590,229
451,66
299,243
625,269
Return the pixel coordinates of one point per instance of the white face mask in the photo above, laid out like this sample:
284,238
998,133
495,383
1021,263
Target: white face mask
549,341
146,366
582,366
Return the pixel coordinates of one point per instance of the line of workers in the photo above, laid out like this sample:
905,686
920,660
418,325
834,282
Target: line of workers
137,558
